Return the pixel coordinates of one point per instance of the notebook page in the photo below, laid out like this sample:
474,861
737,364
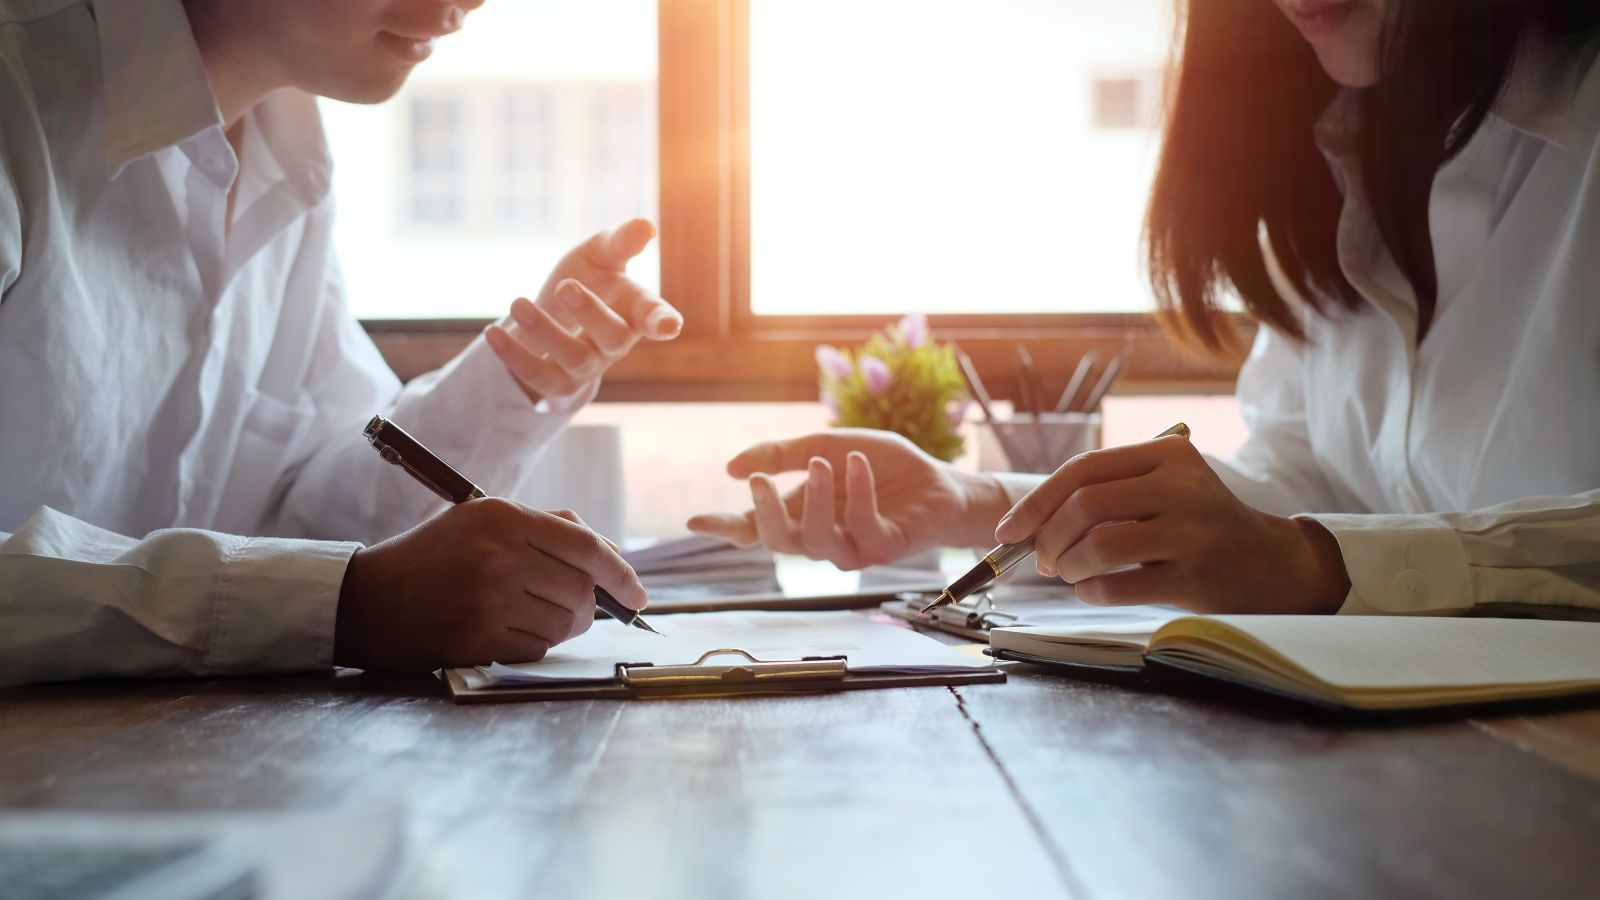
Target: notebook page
1396,652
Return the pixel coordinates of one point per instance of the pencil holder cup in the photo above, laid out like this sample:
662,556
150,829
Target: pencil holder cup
1026,444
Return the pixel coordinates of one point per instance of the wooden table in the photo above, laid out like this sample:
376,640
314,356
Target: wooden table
1041,787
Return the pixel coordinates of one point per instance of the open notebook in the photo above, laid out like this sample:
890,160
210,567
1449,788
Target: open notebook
1356,662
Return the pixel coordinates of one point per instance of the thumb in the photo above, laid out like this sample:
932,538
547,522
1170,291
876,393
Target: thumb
736,528
612,249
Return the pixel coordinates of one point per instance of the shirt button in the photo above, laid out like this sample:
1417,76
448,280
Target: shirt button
1409,591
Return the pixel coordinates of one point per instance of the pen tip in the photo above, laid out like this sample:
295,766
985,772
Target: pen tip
639,622
943,599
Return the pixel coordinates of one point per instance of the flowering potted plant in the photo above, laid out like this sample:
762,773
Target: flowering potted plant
901,381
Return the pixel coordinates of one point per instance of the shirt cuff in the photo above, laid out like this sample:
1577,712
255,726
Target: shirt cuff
276,604
1401,565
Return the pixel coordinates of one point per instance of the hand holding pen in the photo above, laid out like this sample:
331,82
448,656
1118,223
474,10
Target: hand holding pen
484,580
1020,542
1153,523
395,446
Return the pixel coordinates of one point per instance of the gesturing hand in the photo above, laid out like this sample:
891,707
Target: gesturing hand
1152,523
486,581
892,500
588,315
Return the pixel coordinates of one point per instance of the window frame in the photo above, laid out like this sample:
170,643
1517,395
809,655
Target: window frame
728,353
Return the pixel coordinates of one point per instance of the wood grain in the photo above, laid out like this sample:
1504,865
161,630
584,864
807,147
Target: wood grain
1153,795
835,795
1069,788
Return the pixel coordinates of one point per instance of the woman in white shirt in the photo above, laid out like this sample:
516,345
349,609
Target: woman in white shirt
184,484
1406,194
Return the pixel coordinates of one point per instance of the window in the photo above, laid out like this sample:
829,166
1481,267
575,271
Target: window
1126,102
527,131
437,175
942,157
819,169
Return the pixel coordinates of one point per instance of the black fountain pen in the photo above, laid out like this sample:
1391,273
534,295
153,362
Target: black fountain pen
405,451
1005,557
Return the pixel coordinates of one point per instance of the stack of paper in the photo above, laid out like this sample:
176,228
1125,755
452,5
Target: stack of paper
700,566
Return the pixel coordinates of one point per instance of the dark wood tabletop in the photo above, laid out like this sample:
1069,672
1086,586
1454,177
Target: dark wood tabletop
1041,787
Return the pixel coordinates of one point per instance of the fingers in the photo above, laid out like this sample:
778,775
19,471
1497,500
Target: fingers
819,530
536,372
738,529
776,527
1128,500
609,333
584,550
648,315
1152,583
541,334
572,516
613,249
547,619
518,646
1113,546
873,537
860,495
610,251
794,454
1093,467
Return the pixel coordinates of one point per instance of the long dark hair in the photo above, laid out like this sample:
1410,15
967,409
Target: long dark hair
1239,167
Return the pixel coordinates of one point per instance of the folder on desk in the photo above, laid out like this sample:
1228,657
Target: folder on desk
724,654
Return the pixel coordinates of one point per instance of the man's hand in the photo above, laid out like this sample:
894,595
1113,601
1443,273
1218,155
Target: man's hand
588,315
892,500
486,581
1152,523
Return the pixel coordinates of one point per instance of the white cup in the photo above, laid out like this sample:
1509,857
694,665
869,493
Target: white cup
581,470
1024,444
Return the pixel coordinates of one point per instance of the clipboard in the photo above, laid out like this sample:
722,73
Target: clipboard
743,675
970,618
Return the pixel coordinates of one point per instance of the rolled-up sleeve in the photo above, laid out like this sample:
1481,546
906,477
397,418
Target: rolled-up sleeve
1536,554
83,602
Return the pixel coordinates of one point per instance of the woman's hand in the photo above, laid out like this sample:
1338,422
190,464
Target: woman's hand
1152,523
588,315
870,497
486,581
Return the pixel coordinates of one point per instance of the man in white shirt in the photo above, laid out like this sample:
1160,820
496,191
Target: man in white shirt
186,489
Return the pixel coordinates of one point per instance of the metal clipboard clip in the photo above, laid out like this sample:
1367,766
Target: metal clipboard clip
978,612
751,671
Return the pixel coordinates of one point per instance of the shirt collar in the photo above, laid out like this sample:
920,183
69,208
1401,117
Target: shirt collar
1539,93
157,95
156,90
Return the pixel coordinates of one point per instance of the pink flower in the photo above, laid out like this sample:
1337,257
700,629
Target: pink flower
832,362
958,412
914,328
876,372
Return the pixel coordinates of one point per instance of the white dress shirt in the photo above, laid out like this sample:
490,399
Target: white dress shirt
169,380
1460,475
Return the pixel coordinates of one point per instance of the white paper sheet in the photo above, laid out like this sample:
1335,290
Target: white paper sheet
868,645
